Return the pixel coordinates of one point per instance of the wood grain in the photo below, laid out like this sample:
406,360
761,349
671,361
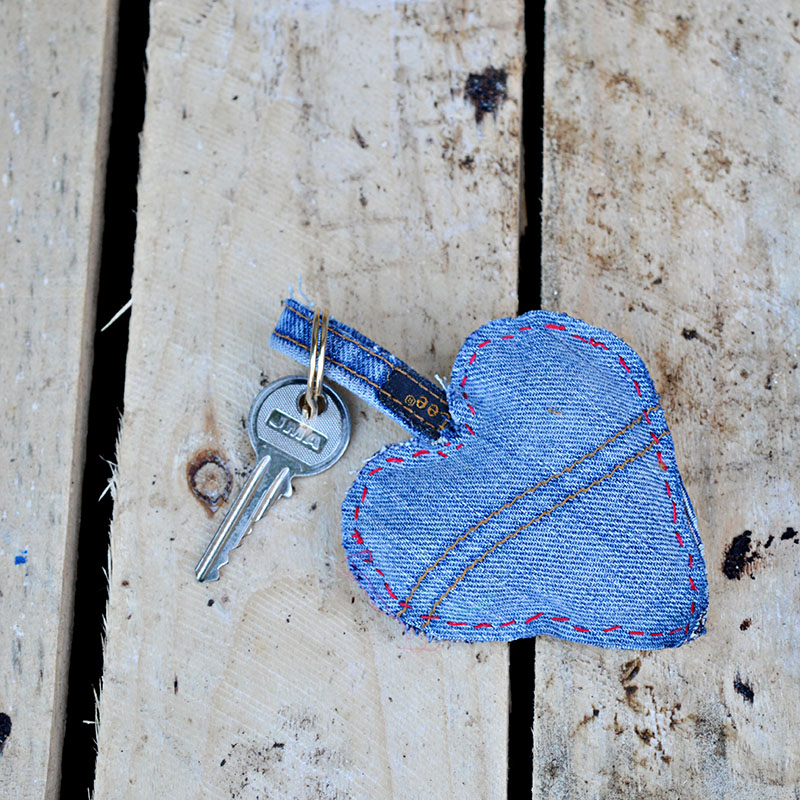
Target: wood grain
55,73
671,200
330,143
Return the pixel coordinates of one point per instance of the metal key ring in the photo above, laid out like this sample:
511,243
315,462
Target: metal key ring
316,364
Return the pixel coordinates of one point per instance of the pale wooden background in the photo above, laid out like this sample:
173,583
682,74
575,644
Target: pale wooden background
332,143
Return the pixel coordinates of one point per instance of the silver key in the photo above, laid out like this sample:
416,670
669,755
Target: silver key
287,445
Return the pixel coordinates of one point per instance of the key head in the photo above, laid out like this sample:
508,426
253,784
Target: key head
277,426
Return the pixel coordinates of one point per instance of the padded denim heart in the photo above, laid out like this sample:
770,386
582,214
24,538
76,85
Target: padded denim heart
554,505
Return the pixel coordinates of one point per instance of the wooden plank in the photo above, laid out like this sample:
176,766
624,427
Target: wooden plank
56,70
331,143
670,217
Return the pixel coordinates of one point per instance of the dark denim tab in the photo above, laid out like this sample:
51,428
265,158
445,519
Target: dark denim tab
416,401
366,369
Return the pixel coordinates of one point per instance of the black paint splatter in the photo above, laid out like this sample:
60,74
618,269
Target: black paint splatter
487,90
744,689
789,533
689,334
738,556
769,541
5,730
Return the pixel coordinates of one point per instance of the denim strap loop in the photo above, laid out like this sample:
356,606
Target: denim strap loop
367,370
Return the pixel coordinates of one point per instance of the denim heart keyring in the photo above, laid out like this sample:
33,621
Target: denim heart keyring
539,495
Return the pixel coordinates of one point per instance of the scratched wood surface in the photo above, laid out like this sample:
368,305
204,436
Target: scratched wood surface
331,143
671,201
54,71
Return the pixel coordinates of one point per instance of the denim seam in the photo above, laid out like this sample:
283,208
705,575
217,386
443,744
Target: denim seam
364,378
454,623
372,353
513,500
544,514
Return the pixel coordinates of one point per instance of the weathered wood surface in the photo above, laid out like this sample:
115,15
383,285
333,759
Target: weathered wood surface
331,143
54,70
671,207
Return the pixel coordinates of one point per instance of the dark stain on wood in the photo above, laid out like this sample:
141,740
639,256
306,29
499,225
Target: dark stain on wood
789,533
209,479
738,556
359,138
745,624
5,730
486,90
630,669
744,689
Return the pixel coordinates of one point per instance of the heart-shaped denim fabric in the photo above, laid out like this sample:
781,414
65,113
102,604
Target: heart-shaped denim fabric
554,506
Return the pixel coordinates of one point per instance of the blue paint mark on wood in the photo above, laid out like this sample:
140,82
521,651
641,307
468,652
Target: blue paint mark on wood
22,558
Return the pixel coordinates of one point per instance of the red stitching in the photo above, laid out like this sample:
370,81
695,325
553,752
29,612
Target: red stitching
526,328
428,617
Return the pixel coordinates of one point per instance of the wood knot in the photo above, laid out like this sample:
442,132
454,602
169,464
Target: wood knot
209,479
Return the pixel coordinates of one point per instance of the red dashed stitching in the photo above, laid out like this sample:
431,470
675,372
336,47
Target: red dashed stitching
404,604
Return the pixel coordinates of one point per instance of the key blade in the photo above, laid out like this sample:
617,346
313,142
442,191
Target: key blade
205,569
261,495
